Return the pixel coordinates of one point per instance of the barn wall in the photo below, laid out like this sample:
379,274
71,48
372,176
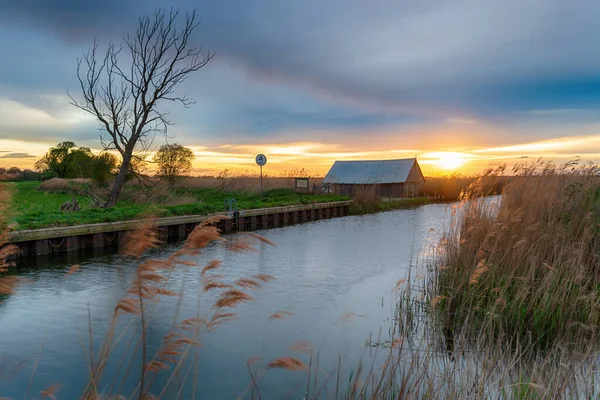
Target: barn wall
392,190
415,175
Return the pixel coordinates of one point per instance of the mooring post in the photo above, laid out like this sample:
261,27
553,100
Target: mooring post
73,243
121,238
228,225
98,240
181,231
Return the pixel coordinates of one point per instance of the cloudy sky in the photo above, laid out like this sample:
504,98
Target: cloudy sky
460,84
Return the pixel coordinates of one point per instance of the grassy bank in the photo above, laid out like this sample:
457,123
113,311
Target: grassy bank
360,208
32,207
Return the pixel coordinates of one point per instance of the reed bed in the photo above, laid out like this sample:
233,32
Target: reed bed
528,265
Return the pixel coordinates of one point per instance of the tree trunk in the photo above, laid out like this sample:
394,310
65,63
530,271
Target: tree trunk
115,192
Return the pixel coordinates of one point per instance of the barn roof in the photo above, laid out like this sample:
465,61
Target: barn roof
370,172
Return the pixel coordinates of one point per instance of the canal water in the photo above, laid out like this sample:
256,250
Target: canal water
336,277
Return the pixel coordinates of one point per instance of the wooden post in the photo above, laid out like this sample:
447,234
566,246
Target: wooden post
98,240
228,225
253,222
122,237
181,231
73,243
241,224
276,220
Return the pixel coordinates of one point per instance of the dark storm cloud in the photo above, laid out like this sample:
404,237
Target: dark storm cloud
379,62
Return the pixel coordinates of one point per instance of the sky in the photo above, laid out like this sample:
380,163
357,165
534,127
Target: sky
461,85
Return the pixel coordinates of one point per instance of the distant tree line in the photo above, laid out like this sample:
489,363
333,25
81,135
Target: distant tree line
68,161
17,174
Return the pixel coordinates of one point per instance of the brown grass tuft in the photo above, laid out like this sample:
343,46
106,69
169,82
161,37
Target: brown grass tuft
351,315
400,283
128,305
280,314
216,285
7,284
201,236
73,269
253,360
289,363
262,239
214,264
302,346
247,283
232,298
263,277
138,241
240,246
479,270
51,391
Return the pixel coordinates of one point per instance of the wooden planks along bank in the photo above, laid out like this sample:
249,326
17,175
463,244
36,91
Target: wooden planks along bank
38,242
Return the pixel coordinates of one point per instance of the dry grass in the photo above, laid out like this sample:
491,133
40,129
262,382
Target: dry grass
54,185
530,266
446,187
59,185
454,187
246,182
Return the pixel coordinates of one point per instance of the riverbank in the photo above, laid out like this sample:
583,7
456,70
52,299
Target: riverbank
33,207
371,207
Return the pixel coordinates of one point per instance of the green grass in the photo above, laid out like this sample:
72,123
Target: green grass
33,208
375,207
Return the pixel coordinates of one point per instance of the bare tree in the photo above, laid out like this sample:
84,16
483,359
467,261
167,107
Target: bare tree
127,100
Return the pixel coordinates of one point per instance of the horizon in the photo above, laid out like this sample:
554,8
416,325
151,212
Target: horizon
390,82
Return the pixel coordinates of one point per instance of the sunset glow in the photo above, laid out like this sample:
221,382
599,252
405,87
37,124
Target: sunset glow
448,160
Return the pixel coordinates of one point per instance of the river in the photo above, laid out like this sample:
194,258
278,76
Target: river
336,277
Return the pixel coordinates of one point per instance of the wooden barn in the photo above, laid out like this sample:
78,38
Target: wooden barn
387,178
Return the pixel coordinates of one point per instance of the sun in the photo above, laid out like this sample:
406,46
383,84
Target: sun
449,160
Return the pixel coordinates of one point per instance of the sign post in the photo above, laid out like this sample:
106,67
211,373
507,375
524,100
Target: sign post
261,160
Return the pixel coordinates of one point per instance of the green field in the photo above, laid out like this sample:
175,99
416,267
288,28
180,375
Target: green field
33,208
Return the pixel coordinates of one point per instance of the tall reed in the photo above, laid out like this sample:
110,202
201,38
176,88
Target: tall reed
528,264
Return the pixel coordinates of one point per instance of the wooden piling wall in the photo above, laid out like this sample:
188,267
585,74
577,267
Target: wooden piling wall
41,242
